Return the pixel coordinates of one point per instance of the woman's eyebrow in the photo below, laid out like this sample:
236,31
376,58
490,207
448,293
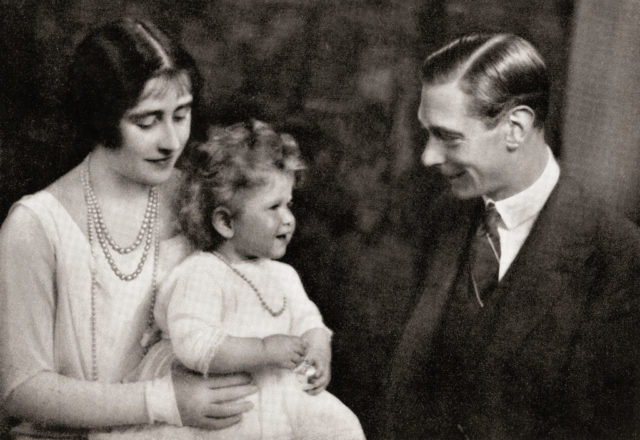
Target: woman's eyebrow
185,105
158,113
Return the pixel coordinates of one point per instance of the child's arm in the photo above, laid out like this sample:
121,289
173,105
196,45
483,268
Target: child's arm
195,313
236,354
307,322
319,354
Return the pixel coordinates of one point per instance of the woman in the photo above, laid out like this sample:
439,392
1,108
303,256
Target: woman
80,261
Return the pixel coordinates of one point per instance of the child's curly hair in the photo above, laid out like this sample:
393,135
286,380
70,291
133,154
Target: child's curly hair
232,158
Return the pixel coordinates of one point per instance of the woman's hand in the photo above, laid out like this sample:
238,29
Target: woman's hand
211,403
284,351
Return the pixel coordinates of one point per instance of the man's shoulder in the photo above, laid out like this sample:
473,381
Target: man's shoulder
601,212
596,219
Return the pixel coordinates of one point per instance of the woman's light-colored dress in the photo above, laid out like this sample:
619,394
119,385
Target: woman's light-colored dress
45,299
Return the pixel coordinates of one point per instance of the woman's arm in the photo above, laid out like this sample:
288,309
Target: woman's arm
212,403
31,387
52,399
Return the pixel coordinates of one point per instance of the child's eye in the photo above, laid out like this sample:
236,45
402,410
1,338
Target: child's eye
290,204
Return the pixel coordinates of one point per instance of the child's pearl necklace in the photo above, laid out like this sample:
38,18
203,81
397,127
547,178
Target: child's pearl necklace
254,288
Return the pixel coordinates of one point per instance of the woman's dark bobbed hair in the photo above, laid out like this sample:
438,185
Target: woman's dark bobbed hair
108,74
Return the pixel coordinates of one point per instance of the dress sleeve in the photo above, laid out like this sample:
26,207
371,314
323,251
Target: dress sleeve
305,314
194,314
27,303
31,388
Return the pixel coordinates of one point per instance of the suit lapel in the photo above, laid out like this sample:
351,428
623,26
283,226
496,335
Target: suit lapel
450,248
554,252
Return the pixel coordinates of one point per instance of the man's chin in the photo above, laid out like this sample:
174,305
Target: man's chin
464,192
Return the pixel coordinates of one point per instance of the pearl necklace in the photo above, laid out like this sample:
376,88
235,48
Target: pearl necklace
264,304
94,213
93,229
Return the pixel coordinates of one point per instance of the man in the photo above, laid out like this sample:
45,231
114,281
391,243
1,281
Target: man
527,322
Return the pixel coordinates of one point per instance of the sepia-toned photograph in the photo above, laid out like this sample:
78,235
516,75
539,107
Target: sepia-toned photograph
319,219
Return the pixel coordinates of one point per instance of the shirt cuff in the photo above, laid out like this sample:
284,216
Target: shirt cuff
161,401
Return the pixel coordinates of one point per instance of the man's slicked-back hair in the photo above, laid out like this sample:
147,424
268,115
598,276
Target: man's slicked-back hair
108,74
497,71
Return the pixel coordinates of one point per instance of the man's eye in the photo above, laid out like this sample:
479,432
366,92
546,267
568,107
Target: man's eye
452,143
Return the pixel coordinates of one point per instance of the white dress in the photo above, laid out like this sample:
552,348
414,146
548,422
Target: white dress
45,299
203,300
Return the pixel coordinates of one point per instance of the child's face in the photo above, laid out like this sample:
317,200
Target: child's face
264,223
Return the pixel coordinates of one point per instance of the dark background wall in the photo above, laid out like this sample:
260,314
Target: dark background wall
342,77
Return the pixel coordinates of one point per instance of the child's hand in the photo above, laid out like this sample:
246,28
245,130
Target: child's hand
284,351
320,358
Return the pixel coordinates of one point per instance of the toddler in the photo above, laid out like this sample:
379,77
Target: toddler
230,308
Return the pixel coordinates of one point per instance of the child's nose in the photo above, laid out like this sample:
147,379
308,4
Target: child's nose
287,217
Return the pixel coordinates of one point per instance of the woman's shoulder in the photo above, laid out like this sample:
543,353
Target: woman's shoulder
55,202
36,218
67,190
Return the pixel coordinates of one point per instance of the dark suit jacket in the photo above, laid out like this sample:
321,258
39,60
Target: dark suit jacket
562,359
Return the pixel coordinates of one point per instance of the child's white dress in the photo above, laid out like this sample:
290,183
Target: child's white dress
201,302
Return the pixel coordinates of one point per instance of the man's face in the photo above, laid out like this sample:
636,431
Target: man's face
471,156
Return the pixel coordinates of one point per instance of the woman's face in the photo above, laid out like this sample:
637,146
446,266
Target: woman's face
154,132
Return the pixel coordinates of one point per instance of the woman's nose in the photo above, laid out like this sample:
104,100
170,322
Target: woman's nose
170,137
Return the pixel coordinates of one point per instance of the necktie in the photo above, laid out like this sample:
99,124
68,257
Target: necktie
485,254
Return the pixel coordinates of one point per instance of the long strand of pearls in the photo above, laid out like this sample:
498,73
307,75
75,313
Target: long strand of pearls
105,239
97,228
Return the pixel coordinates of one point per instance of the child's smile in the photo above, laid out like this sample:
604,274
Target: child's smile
264,224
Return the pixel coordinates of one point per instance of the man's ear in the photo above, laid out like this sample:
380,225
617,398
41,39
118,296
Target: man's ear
520,121
222,222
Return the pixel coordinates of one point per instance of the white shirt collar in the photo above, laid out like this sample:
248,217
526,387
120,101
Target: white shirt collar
526,204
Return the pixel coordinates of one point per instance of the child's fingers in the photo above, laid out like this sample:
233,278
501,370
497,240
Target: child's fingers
300,349
317,388
318,375
295,360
